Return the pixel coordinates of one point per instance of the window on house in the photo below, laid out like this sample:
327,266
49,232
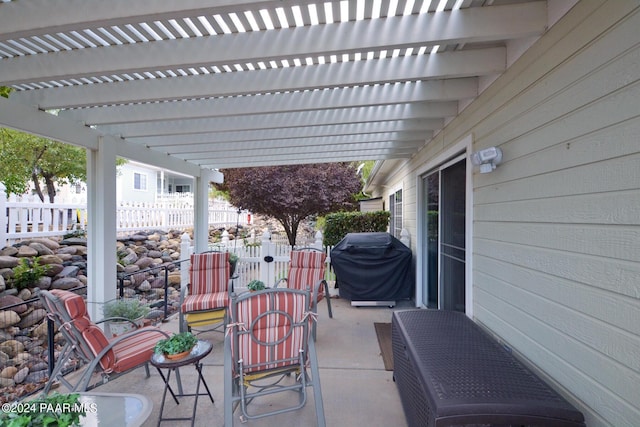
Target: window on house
139,181
183,188
395,206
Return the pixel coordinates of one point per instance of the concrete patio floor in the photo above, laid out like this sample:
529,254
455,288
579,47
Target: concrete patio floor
356,389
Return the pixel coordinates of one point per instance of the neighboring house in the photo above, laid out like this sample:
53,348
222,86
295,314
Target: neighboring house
138,182
545,250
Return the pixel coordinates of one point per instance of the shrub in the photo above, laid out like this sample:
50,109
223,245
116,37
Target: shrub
128,308
28,273
339,224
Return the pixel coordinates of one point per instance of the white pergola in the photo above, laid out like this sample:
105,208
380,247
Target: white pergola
193,86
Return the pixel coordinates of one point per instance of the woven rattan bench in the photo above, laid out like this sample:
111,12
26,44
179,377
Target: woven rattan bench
450,372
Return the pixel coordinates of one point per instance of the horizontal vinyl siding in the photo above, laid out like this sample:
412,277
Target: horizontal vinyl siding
556,237
557,227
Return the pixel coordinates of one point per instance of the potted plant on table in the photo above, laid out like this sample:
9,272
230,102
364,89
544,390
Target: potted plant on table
177,346
123,315
256,285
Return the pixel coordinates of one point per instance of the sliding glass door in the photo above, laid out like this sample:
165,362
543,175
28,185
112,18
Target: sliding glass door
444,210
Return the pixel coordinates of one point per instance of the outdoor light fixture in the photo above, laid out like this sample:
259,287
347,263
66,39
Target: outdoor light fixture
487,159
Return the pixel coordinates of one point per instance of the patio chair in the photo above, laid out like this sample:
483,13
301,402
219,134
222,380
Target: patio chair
306,271
83,337
205,299
267,341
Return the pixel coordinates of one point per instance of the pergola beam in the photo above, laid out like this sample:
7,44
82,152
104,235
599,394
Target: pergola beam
452,27
443,65
442,92
193,140
274,121
36,17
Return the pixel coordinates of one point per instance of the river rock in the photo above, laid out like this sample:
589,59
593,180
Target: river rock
40,331
3,284
25,251
44,282
68,271
74,241
12,347
66,283
24,294
10,300
67,250
9,372
145,286
8,318
131,268
50,259
31,319
7,382
9,261
144,262
40,248
21,375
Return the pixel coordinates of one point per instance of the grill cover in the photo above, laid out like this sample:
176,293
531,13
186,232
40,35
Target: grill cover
373,267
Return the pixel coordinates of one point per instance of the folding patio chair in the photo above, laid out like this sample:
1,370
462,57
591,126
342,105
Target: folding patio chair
205,299
267,351
84,338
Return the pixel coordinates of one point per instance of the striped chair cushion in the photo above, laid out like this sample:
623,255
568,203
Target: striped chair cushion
90,335
260,348
202,302
136,349
129,353
306,269
209,273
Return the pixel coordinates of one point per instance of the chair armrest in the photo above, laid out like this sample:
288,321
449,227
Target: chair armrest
117,319
183,292
284,279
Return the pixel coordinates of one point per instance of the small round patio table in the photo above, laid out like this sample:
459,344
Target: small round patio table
200,350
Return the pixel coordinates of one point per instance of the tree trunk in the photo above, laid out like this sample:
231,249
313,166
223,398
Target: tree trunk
51,188
36,185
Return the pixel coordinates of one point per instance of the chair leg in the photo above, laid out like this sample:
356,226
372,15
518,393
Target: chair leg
328,298
317,389
228,386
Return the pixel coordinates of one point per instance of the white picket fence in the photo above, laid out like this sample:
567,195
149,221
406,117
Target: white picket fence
27,217
268,261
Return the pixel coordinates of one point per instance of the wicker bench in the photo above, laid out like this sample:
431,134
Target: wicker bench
450,372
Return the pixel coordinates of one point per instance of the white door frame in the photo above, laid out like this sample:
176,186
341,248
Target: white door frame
465,147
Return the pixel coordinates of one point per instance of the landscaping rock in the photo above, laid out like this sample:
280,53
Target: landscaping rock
27,252
66,283
8,300
40,248
31,319
8,318
7,261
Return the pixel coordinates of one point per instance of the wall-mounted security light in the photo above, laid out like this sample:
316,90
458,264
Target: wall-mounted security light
487,159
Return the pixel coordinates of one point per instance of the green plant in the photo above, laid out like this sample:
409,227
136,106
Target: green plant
127,308
56,410
337,225
256,285
177,343
28,273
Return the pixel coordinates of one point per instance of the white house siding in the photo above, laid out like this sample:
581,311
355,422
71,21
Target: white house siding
556,232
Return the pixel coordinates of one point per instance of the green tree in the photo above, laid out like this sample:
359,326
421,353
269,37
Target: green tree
28,158
292,193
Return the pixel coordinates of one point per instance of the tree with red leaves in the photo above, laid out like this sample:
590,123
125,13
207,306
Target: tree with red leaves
292,193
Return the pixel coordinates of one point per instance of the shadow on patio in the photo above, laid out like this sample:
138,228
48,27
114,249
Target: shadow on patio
356,388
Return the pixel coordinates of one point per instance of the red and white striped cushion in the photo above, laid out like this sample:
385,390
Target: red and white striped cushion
129,353
271,328
306,269
136,349
209,273
204,302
